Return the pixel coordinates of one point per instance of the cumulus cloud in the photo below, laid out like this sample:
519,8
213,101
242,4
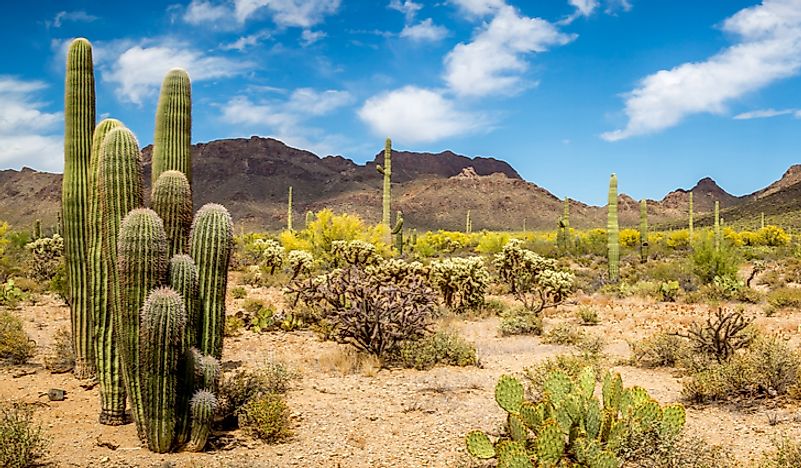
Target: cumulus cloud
494,60
424,31
407,7
199,12
297,13
29,135
479,7
417,115
768,49
244,42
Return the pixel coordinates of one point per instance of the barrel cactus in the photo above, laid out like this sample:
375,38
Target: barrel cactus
172,143
612,232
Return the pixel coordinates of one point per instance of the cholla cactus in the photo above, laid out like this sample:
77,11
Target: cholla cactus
272,254
534,280
299,262
568,426
355,253
397,271
461,281
47,256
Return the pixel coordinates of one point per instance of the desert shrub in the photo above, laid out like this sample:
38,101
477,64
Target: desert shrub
60,357
767,368
300,263
772,236
23,442
15,345
668,291
491,242
431,244
658,350
678,239
266,417
520,321
46,257
786,454
785,297
565,334
238,292
241,386
685,451
709,263
398,271
587,315
441,348
10,294
534,280
570,364
354,253
724,332
629,237
233,326
462,282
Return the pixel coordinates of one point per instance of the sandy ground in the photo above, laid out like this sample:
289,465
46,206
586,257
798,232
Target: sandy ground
382,418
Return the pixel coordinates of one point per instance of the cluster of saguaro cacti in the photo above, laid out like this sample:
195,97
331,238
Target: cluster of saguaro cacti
612,232
691,218
289,210
717,225
386,171
468,223
397,232
563,234
141,306
570,427
643,231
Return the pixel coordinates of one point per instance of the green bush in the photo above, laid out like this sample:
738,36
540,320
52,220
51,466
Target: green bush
520,321
786,454
23,443
709,263
242,386
565,334
659,350
15,345
10,294
462,282
266,418
587,315
239,292
441,348
785,297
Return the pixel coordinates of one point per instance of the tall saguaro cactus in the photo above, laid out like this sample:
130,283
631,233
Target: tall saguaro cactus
612,232
386,171
691,218
172,144
643,230
563,235
289,210
142,267
79,125
119,190
468,223
211,241
172,201
717,225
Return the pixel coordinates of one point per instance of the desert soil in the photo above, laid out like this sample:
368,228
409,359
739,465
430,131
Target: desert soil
373,417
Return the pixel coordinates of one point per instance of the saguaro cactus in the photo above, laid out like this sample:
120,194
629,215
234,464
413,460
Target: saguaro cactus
183,280
717,225
172,201
119,190
142,267
309,218
79,124
37,229
397,232
468,224
643,230
211,241
289,210
612,233
172,143
386,171
563,234
691,218
202,407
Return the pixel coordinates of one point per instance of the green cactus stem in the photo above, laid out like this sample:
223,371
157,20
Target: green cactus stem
202,409
386,171
37,229
643,231
309,218
717,225
172,201
79,125
142,267
172,143
468,225
612,233
162,348
691,218
397,232
183,280
566,225
289,210
118,178
211,241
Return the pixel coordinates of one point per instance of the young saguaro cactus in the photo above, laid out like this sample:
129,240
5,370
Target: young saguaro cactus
79,124
142,267
468,224
183,280
202,408
643,231
397,232
172,201
119,190
612,232
289,210
386,171
691,218
172,144
211,242
162,348
717,225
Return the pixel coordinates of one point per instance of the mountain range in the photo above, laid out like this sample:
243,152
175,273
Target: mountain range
251,177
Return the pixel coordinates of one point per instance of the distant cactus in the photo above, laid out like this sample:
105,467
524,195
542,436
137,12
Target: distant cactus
397,232
386,171
79,125
162,348
172,201
563,240
119,190
468,225
211,241
717,225
289,211
643,230
172,143
142,267
691,218
612,232
37,229
309,218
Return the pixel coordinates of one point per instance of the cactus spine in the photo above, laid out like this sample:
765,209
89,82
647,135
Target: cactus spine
397,232
142,266
691,218
172,201
643,230
163,346
79,124
468,224
211,242
612,233
717,225
386,171
289,210
118,180
172,143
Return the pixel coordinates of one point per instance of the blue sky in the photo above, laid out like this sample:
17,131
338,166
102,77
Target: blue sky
567,91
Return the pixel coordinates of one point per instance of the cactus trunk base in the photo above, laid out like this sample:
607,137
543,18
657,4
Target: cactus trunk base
84,369
114,418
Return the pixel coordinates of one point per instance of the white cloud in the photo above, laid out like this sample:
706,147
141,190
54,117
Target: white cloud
199,12
298,13
244,42
493,61
767,113
309,37
139,70
29,135
584,7
479,7
407,7
70,16
312,102
417,115
769,49
425,30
